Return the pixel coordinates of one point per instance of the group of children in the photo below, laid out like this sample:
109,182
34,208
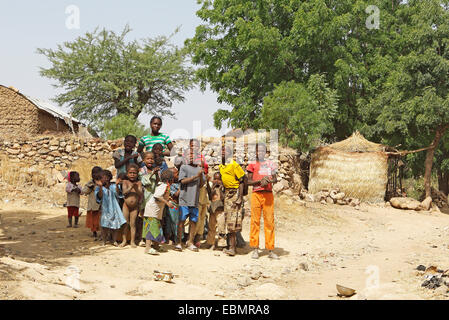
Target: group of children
153,202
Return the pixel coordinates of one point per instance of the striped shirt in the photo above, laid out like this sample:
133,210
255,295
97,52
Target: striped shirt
149,141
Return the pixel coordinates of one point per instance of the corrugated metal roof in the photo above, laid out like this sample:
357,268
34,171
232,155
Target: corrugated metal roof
56,112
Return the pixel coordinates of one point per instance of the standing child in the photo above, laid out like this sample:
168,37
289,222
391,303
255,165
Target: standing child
112,218
192,178
149,178
124,157
93,208
215,190
73,197
133,193
262,175
232,176
152,223
171,216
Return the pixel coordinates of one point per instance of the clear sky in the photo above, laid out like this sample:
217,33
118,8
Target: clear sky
27,25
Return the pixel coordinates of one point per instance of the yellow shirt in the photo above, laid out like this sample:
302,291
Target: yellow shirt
230,175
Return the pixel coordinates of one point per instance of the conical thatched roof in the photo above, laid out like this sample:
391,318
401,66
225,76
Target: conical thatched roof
357,143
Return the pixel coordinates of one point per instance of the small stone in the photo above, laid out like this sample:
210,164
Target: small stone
219,294
304,266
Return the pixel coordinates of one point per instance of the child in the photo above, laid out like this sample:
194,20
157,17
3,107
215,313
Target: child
159,161
93,208
73,197
133,193
172,214
107,194
215,190
124,157
262,175
233,177
192,178
152,228
149,178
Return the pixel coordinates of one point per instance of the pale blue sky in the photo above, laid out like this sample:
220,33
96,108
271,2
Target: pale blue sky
27,25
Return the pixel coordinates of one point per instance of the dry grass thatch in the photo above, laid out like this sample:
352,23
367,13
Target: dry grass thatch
357,143
358,175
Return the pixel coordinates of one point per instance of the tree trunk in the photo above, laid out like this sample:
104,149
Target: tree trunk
429,158
443,182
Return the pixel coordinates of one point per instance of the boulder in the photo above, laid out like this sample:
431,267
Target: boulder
426,204
405,203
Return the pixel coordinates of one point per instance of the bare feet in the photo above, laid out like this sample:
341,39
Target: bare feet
229,252
115,244
123,244
133,245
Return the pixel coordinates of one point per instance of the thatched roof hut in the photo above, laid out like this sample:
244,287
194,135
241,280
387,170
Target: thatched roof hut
356,166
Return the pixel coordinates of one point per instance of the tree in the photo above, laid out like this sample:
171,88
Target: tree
244,48
412,107
102,75
122,125
302,114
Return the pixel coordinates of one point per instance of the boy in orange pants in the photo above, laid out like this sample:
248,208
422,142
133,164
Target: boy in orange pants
262,175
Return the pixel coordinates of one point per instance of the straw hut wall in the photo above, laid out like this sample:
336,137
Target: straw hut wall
356,166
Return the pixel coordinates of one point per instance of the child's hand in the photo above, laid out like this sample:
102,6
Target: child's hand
99,183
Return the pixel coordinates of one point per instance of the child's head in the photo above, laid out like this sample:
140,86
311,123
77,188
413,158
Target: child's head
167,176
261,151
217,176
157,149
178,162
96,171
74,177
155,124
122,176
106,177
132,172
130,143
175,173
148,159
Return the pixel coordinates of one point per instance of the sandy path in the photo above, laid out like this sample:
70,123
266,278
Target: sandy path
333,244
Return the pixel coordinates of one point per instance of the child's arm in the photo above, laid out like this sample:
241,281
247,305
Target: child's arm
209,190
118,163
99,191
167,203
126,187
193,178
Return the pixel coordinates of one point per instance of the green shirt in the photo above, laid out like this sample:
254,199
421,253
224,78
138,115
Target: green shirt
149,141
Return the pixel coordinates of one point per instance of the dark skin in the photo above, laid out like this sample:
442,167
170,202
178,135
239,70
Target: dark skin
260,152
133,192
129,145
149,161
156,125
227,153
199,175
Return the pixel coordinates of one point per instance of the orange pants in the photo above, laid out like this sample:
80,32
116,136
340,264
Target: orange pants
262,201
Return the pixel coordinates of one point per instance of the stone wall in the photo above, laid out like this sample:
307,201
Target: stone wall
56,152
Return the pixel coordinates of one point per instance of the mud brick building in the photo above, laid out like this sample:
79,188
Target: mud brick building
21,114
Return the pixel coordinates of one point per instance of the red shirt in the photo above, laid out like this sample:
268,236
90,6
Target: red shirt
260,170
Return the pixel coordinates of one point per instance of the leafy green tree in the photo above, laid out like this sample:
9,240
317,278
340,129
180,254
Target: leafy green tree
122,125
102,75
244,48
302,114
412,107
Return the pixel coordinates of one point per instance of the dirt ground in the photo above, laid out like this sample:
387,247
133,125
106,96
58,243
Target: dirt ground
374,250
